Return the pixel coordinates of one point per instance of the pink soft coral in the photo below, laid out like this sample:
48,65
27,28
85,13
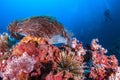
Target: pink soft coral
103,66
15,66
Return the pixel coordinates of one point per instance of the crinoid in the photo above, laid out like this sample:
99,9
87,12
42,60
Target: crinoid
71,65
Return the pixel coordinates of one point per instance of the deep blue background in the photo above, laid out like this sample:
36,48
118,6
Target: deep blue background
85,18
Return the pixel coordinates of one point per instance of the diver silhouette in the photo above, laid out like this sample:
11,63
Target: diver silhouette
107,15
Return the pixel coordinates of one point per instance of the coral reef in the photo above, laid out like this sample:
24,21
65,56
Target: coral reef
34,57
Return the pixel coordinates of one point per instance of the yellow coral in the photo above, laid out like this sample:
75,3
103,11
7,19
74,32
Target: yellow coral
32,38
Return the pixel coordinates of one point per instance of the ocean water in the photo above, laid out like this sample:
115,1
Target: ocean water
86,19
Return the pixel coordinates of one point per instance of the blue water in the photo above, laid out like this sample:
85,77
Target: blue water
85,18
